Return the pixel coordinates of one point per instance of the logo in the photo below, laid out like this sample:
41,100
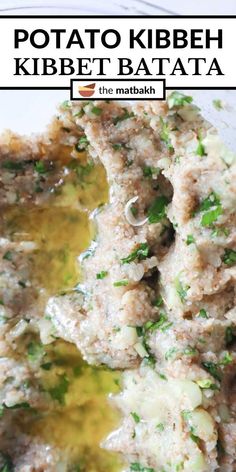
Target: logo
86,90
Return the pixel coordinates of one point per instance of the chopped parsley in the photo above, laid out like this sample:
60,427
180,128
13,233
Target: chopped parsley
200,151
117,147
135,417
230,337
158,302
7,463
101,275
24,405
220,232
46,366
59,391
161,324
229,257
126,114
22,283
160,427
12,165
121,283
35,351
177,99
195,438
209,217
139,254
96,111
213,369
7,256
137,467
186,415
181,289
40,167
157,210
170,353
149,171
207,383
81,170
210,201
82,144
165,134
202,313
227,359
218,105
190,239
190,351
66,104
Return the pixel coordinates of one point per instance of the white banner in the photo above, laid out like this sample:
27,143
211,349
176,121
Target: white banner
47,52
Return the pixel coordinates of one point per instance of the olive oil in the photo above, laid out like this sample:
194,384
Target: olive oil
61,230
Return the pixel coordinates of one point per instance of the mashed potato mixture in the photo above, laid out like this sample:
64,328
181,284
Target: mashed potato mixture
117,275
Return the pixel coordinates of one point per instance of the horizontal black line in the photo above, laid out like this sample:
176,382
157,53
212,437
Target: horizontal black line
34,88
115,99
200,88
117,80
166,88
120,16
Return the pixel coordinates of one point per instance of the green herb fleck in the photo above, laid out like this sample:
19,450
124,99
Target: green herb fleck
7,256
59,391
200,151
101,275
227,359
195,438
121,283
157,210
202,313
82,144
149,171
181,289
210,201
170,353
66,104
160,427
230,337
40,167
12,165
220,232
46,366
137,467
218,105
165,134
209,217
158,302
177,99
35,351
186,415
7,463
126,115
135,417
207,383
213,369
161,324
229,257
142,252
96,111
190,239
117,147
190,351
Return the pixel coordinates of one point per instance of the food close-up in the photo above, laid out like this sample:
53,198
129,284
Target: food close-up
117,291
